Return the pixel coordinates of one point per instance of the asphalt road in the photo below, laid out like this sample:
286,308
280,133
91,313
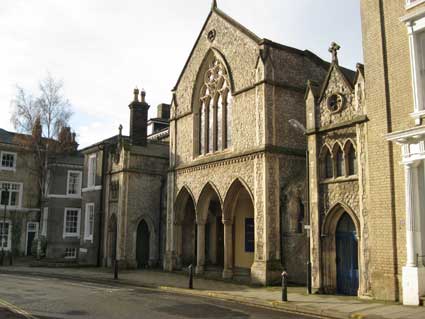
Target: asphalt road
44,298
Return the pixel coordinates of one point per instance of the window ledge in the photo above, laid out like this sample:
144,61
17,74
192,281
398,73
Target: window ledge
417,116
4,168
91,188
72,236
343,179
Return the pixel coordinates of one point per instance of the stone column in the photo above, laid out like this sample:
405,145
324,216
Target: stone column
200,248
410,215
228,249
413,276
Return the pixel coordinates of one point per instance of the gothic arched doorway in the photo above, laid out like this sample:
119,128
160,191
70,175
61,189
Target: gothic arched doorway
142,245
347,256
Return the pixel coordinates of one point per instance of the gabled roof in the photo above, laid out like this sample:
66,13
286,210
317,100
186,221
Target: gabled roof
225,17
347,74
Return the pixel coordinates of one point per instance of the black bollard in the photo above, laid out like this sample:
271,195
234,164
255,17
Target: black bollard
10,259
116,270
190,276
309,277
284,286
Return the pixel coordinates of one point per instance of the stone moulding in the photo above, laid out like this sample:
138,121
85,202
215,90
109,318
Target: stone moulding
227,159
357,120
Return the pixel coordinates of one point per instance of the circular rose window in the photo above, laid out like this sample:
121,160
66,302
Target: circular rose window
335,102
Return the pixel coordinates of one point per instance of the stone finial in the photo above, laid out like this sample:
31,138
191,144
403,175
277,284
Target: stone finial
334,50
214,5
143,95
136,94
120,130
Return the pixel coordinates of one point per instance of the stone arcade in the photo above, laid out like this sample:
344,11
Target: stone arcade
236,166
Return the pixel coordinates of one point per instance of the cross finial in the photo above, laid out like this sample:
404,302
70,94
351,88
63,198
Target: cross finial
334,50
143,95
120,130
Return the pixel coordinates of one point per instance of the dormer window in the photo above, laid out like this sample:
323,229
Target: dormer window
8,161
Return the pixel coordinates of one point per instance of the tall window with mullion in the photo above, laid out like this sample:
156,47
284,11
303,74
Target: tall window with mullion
74,183
215,112
72,222
91,173
89,222
11,196
8,160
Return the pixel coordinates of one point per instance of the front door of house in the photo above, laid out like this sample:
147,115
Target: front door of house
32,233
347,257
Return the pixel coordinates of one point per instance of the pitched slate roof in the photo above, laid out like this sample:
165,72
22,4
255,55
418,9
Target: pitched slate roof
7,137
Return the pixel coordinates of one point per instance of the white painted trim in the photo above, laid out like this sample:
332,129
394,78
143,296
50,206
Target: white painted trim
90,170
21,191
9,235
80,174
90,189
3,168
87,235
410,5
71,235
63,196
37,228
407,136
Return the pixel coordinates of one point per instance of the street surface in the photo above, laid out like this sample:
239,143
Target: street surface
46,298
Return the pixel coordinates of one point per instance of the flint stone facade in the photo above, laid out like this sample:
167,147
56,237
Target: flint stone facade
267,82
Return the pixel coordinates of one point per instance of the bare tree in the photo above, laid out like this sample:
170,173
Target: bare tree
45,121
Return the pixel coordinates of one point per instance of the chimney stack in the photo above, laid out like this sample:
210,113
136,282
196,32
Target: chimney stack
139,119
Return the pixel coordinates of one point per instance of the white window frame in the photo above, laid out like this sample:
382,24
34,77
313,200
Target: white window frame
77,233
9,235
88,231
73,256
414,27
21,190
91,171
5,168
78,195
412,3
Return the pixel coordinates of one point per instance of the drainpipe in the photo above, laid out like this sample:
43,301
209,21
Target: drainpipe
105,149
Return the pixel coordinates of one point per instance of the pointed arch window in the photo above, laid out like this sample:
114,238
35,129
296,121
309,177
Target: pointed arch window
339,162
327,164
351,159
215,117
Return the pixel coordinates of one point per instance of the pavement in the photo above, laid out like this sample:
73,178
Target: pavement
326,306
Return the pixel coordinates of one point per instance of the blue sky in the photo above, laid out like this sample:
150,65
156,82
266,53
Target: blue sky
102,49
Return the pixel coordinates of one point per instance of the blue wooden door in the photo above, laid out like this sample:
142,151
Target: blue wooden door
347,257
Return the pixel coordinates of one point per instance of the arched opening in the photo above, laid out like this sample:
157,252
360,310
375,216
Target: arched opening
210,215
339,160
112,240
347,257
238,211
326,163
340,233
185,228
142,245
351,159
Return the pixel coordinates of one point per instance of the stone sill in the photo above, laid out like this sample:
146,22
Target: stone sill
340,180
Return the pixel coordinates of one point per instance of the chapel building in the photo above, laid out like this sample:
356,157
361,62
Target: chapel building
236,191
